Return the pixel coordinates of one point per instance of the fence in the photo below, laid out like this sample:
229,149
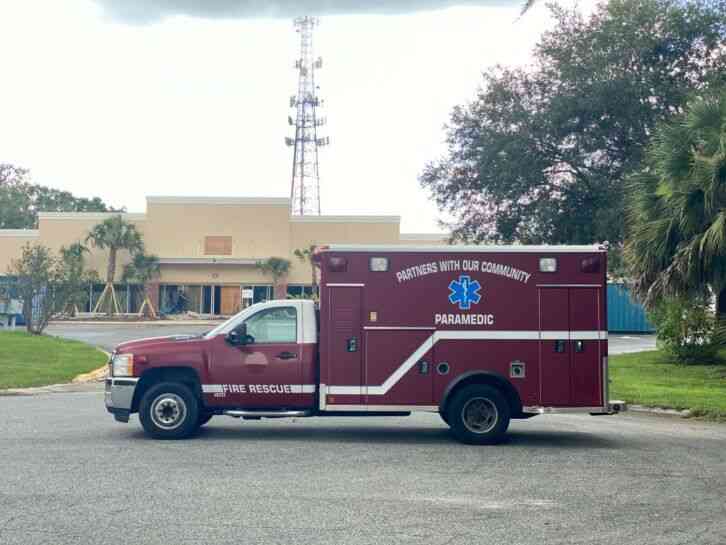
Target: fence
624,314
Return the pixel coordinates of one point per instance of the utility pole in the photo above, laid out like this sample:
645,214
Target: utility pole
305,184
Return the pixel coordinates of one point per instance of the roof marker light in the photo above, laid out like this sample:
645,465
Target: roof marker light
548,264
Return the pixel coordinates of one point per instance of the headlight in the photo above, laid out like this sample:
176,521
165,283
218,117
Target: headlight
123,365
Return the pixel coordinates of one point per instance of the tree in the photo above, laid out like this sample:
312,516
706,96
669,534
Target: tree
142,270
39,283
541,154
306,256
676,244
21,200
277,267
114,234
76,277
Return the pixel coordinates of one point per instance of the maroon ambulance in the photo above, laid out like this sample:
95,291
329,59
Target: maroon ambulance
479,334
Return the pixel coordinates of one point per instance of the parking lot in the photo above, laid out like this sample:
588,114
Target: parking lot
71,474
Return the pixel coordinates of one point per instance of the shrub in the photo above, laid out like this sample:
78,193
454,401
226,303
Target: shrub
687,329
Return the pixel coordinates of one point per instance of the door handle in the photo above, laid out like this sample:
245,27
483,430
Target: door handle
287,356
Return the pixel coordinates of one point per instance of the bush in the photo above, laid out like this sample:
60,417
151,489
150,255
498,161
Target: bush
687,329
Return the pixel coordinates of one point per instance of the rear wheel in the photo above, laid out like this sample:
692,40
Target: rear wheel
478,415
169,411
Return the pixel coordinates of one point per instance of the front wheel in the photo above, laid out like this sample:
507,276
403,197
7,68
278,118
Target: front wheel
479,415
169,411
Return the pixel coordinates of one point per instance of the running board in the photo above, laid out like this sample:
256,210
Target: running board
267,414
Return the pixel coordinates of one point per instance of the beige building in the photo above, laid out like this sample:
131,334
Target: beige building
209,246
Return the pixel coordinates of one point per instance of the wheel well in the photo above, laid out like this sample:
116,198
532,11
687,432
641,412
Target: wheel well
490,379
184,375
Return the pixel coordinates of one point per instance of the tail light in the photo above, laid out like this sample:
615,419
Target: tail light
590,265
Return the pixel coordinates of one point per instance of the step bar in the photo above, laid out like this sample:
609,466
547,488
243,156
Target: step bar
267,414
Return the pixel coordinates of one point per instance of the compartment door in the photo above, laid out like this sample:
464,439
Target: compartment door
399,366
345,346
554,346
585,326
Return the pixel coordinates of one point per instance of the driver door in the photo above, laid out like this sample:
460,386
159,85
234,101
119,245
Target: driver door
266,371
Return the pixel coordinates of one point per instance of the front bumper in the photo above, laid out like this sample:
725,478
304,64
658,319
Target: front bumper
119,397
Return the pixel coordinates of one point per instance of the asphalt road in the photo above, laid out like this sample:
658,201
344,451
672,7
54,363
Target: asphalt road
72,475
108,336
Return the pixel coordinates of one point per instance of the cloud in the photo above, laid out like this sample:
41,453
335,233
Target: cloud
149,11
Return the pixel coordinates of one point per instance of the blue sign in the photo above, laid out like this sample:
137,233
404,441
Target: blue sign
464,292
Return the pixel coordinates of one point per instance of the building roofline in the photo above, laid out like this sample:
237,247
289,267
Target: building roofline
345,219
218,201
424,236
89,215
20,233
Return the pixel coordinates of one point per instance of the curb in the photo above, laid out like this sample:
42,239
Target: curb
686,413
50,389
97,375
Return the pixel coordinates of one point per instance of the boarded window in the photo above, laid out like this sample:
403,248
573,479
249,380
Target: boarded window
217,245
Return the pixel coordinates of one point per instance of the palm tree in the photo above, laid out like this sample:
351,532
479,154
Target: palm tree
76,277
677,219
277,267
142,269
115,234
306,256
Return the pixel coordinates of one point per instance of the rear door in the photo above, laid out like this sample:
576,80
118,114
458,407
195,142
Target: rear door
344,345
570,328
585,326
554,322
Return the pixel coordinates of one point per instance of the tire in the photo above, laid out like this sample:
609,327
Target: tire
204,417
479,415
444,417
169,410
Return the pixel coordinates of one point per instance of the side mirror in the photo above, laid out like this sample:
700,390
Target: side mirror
238,337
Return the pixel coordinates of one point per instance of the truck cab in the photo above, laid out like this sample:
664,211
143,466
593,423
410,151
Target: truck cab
263,358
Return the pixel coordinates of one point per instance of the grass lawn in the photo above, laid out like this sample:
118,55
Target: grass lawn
651,378
31,360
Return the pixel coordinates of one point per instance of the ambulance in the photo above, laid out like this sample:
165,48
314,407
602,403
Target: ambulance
480,335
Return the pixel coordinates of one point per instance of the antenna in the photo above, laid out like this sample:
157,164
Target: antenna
305,185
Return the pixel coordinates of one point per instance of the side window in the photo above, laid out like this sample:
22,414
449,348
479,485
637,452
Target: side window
273,325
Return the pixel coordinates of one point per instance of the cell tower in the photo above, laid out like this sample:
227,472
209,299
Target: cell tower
305,186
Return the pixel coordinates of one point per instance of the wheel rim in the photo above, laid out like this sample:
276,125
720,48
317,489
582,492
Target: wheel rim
479,415
168,411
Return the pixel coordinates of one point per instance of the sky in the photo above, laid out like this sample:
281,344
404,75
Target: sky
127,98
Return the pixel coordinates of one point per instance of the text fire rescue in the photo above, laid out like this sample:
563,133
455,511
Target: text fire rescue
258,388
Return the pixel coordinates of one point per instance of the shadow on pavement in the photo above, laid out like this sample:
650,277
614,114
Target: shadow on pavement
561,440
390,435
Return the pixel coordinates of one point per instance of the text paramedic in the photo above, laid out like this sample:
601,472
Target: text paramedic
464,319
